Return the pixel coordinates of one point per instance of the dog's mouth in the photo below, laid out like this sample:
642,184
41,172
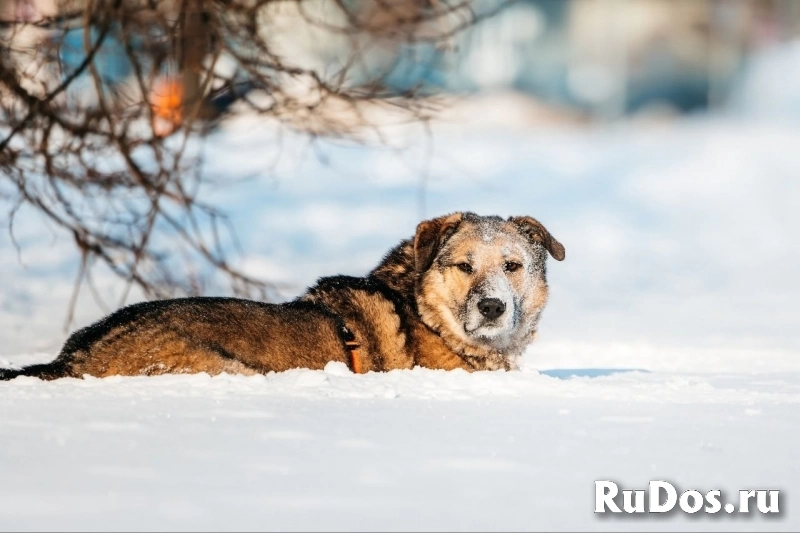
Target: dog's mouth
485,326
488,329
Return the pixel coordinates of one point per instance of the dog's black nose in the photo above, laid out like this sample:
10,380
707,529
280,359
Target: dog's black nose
491,308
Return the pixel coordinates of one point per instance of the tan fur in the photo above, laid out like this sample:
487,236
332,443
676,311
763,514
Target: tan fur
419,307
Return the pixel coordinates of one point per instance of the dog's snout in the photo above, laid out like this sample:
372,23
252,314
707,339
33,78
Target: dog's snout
491,308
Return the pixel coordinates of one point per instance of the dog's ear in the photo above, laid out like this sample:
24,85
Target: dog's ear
534,230
430,236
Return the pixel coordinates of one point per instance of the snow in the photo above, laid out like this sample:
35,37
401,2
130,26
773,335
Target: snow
669,348
407,450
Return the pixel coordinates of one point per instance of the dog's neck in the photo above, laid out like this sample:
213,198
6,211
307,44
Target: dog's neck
397,271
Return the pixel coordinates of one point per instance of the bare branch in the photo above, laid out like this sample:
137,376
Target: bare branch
110,155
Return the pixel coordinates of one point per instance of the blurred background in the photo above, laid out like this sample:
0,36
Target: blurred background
656,139
597,59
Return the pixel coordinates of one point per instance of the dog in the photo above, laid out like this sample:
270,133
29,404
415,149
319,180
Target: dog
467,291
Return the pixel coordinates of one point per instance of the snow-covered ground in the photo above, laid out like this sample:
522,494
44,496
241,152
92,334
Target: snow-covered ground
408,450
669,349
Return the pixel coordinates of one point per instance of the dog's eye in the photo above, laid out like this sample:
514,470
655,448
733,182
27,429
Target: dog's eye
512,266
465,267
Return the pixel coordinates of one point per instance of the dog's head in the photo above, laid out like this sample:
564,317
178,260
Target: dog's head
482,280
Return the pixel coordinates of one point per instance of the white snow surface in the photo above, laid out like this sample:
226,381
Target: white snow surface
669,348
406,450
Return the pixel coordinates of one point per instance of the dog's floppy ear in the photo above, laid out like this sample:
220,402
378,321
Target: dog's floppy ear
430,236
534,230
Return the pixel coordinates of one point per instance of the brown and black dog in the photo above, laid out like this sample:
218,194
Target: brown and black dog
465,292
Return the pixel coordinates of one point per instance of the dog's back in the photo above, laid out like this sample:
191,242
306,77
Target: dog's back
191,335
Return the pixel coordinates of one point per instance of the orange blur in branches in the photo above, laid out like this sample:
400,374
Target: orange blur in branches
166,101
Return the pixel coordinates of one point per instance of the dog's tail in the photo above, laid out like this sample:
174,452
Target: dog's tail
9,373
46,371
